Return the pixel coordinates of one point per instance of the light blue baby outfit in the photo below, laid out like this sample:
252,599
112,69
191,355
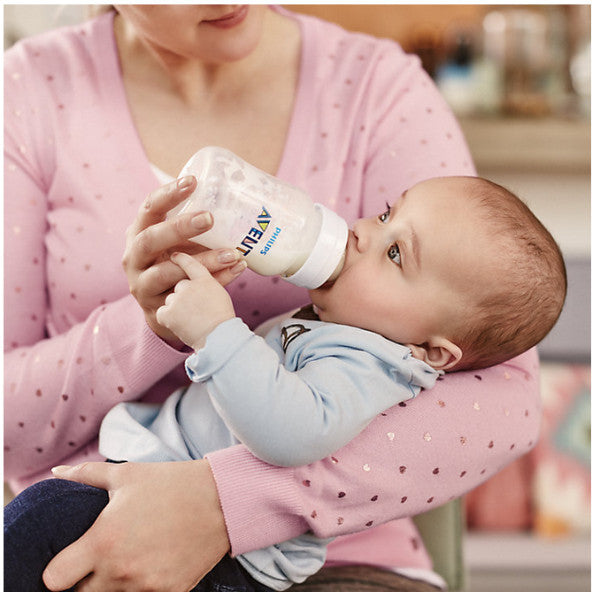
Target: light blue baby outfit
292,398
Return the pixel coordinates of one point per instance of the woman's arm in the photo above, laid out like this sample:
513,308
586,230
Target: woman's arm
411,459
57,388
60,383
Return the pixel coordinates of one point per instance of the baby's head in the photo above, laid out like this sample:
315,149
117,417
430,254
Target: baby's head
520,303
459,269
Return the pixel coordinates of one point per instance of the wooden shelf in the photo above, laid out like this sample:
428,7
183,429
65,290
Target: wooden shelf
545,145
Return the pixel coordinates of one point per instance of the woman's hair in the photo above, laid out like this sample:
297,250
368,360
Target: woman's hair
509,319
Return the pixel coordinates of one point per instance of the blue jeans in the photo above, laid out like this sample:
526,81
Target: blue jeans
52,514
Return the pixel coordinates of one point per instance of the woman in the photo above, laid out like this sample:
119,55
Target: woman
96,117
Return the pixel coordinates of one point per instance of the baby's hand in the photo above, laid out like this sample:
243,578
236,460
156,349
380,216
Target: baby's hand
196,306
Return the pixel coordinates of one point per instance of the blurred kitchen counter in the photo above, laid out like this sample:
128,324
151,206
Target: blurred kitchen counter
543,145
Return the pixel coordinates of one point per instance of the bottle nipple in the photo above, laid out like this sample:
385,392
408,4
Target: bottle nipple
338,269
326,259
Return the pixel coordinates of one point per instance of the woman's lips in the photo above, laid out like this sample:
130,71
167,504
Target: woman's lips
230,20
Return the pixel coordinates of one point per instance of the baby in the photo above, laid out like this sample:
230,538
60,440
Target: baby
458,274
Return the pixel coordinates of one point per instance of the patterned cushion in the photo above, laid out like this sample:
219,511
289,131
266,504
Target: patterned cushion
562,477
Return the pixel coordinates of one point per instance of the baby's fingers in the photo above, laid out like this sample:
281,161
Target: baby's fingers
192,268
164,315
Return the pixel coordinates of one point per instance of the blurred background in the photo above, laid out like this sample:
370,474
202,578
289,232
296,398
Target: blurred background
519,79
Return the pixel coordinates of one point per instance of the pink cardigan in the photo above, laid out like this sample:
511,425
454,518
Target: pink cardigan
367,124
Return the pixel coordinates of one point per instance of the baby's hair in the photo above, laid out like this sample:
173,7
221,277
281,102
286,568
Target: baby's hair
510,319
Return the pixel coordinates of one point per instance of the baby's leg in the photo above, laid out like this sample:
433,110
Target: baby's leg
39,523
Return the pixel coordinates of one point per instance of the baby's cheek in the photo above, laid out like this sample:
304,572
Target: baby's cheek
351,301
360,284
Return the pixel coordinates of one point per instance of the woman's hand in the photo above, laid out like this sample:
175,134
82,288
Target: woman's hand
162,529
150,241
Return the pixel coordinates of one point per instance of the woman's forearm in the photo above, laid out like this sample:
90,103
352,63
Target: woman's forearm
58,390
412,458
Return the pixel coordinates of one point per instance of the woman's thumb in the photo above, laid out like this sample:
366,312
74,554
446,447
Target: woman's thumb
96,474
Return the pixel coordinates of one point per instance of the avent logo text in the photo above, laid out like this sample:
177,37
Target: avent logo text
255,234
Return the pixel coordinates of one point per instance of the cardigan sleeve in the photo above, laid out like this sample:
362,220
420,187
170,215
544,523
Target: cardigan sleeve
415,456
57,389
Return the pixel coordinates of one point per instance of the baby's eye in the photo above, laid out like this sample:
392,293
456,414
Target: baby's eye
386,215
394,254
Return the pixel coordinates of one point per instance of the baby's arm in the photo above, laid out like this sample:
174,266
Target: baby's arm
296,417
297,409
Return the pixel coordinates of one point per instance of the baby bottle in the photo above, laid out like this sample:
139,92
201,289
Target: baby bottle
275,225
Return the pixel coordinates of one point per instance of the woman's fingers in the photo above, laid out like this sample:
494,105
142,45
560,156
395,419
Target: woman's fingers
150,243
159,278
159,202
194,269
152,238
216,260
70,566
224,265
97,474
226,276
151,234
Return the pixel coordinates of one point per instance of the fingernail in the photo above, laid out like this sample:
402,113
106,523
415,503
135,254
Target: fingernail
202,220
59,469
185,182
228,256
235,270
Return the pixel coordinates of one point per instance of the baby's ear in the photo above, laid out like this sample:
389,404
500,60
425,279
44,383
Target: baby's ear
439,353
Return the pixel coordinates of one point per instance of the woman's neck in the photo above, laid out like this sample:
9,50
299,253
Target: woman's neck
193,80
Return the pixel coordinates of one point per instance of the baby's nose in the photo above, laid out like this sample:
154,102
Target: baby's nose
362,234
